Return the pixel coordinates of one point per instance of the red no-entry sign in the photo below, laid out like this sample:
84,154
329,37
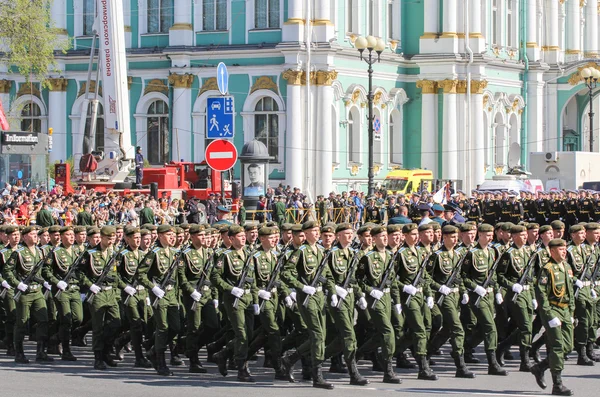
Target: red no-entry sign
221,155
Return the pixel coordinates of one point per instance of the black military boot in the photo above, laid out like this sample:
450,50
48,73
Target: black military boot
356,378
318,380
589,351
231,364
152,357
78,337
558,389
10,349
376,365
52,346
140,360
388,375
336,365
287,364
119,345
525,362
493,367
461,368
162,369
306,369
221,360
211,349
583,359
534,353
175,359
470,358
108,358
67,355
403,362
98,361
425,372
538,371
20,354
243,372
195,365
42,356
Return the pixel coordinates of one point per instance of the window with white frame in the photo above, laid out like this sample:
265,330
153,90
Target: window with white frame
214,15
157,125
266,125
89,14
160,16
266,14
395,138
31,118
390,20
494,23
353,130
351,16
510,34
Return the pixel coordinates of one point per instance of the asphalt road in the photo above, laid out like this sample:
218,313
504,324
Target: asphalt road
63,379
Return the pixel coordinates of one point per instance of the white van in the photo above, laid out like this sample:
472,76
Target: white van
510,182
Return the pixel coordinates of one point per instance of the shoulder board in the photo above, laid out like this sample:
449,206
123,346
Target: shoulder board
370,253
257,255
438,252
511,249
548,266
92,251
56,249
402,249
124,251
20,249
540,249
570,248
155,250
3,250
320,246
334,249
497,245
187,250
472,250
226,252
302,247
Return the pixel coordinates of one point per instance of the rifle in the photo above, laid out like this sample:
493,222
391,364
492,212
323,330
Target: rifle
585,272
596,273
419,276
244,278
386,276
525,276
453,277
202,281
273,282
489,280
32,276
70,273
349,275
168,274
318,278
89,297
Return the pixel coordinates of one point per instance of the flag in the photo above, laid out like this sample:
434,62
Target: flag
443,195
3,120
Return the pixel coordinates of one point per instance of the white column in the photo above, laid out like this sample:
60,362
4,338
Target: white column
573,29
430,21
293,28
450,17
181,33
551,46
57,118
477,170
591,29
535,112
294,156
181,148
476,38
552,132
324,143
323,27
429,125
58,13
532,29
127,21
449,141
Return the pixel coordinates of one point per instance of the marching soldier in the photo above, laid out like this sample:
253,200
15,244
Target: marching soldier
592,251
571,206
372,212
516,209
10,308
586,207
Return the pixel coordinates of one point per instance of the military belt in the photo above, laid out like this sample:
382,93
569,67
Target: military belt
350,290
586,283
73,286
562,305
489,289
33,287
274,290
168,287
205,288
140,288
319,288
106,288
453,290
386,291
246,291
525,287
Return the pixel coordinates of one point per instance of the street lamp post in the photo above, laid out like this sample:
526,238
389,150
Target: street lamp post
370,44
591,76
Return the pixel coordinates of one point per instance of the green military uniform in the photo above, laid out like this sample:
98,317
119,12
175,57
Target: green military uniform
84,218
8,301
21,263
68,303
146,216
44,218
279,212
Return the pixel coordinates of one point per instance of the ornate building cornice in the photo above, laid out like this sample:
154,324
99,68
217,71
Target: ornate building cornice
449,86
59,84
428,86
181,80
5,86
156,85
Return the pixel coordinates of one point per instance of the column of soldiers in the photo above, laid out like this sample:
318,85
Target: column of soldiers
315,292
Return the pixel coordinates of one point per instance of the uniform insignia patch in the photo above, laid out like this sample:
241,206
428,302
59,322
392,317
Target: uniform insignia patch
220,264
544,280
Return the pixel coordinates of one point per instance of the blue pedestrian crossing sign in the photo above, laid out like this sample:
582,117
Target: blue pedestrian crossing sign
220,117
223,79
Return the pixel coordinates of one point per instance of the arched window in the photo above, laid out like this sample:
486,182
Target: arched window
31,118
354,136
266,125
158,132
98,140
214,14
160,16
266,14
395,131
89,14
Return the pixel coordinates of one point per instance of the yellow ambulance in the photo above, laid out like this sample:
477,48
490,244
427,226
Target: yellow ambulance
408,181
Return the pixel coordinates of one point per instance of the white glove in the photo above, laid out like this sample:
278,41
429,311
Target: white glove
216,303
158,292
293,295
375,293
517,288
308,290
47,286
61,285
534,303
362,303
578,284
196,296
95,289
572,320
289,302
334,300
256,309
22,287
465,299
6,285
444,290
479,290
237,292
594,294
262,294
430,302
129,290
398,308
499,298
410,289
341,292
555,322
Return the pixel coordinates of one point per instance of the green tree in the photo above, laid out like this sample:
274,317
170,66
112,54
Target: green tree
30,39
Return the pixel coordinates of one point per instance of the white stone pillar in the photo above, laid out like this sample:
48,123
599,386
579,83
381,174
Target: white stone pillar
181,148
551,46
533,49
448,41
477,170
535,112
476,38
431,28
552,132
324,137
127,22
294,155
429,125
591,29
58,13
181,33
323,27
573,30
449,141
57,118
293,28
